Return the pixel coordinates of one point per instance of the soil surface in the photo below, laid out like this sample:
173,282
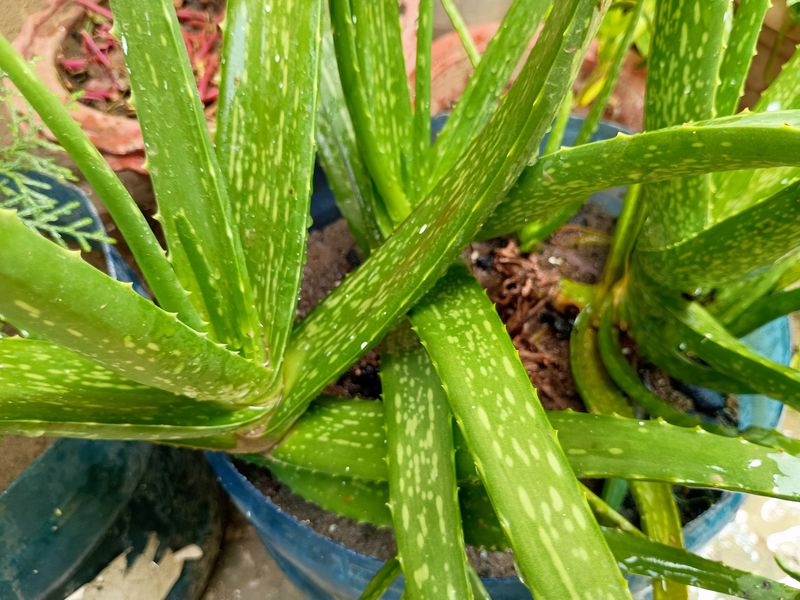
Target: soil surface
16,454
91,60
524,287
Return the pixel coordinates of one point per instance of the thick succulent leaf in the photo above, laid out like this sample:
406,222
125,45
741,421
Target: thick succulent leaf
637,555
656,504
784,91
739,52
462,30
739,190
382,580
595,445
682,77
364,501
567,177
753,239
515,450
479,99
422,100
131,223
337,151
689,328
620,50
192,198
422,478
640,556
265,146
56,295
355,315
368,50
766,309
48,390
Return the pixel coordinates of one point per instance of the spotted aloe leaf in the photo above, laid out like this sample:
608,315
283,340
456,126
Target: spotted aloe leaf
422,100
638,555
730,249
739,52
656,504
688,328
738,190
682,77
766,309
46,389
422,478
626,377
516,452
355,316
337,151
190,188
479,100
45,292
567,177
371,67
265,146
595,445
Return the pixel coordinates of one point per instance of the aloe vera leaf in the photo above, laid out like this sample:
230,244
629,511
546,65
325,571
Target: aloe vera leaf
663,343
134,228
265,146
48,390
733,300
625,376
622,45
59,297
656,504
186,177
422,99
784,91
355,315
479,99
364,501
704,335
556,135
461,29
730,249
637,555
766,309
741,189
567,177
738,55
382,580
422,479
605,514
515,450
682,77
591,443
374,87
643,557
337,151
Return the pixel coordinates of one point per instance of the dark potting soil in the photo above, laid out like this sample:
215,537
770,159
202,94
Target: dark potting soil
524,288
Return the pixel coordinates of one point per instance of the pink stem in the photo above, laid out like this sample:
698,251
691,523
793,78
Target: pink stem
95,50
211,95
74,64
94,7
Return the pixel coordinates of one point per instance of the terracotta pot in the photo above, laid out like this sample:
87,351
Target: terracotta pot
42,35
451,70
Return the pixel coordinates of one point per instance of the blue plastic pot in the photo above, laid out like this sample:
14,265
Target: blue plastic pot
325,570
82,503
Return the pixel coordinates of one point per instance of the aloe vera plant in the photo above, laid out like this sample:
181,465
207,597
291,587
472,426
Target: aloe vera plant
706,250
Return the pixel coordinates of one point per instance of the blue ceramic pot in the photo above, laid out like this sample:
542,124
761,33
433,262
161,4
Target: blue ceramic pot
82,503
326,570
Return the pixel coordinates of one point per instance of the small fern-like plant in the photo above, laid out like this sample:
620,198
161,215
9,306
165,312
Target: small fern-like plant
706,250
